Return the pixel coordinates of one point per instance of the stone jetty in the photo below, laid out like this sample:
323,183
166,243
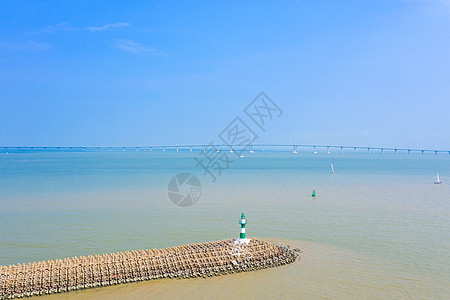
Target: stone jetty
186,261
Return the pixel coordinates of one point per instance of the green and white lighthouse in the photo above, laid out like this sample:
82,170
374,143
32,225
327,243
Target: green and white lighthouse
243,222
242,239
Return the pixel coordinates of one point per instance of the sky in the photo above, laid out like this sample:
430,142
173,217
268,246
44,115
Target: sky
367,73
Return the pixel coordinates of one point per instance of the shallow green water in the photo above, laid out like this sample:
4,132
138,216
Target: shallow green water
385,207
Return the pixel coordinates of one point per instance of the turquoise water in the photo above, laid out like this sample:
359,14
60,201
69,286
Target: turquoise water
386,207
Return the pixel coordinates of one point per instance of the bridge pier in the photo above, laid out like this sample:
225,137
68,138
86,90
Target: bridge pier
294,148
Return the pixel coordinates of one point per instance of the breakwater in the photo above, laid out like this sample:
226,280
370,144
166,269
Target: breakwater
186,261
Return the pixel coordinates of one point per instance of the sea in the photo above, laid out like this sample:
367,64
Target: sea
378,228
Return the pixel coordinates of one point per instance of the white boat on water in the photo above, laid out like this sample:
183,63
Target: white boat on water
332,169
438,181
294,146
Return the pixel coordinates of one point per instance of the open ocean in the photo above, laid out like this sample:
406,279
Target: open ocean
378,228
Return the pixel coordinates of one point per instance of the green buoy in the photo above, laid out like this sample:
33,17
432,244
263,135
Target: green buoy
314,193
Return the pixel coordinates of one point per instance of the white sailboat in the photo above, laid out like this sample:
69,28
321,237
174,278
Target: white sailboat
438,181
294,146
332,169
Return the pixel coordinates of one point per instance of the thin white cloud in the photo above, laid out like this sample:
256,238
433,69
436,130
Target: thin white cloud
29,46
134,47
108,26
65,26
58,27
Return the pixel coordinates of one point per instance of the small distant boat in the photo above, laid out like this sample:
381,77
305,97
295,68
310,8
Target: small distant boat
332,169
438,181
293,145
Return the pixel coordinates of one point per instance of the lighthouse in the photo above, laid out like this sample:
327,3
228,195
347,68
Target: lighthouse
242,239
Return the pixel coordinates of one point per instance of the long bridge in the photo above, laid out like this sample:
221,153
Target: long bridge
295,148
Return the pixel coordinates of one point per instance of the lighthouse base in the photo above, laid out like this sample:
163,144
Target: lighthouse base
242,241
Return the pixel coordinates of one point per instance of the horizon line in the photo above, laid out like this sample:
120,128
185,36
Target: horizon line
178,146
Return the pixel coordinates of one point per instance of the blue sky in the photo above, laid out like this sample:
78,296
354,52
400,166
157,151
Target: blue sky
372,73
